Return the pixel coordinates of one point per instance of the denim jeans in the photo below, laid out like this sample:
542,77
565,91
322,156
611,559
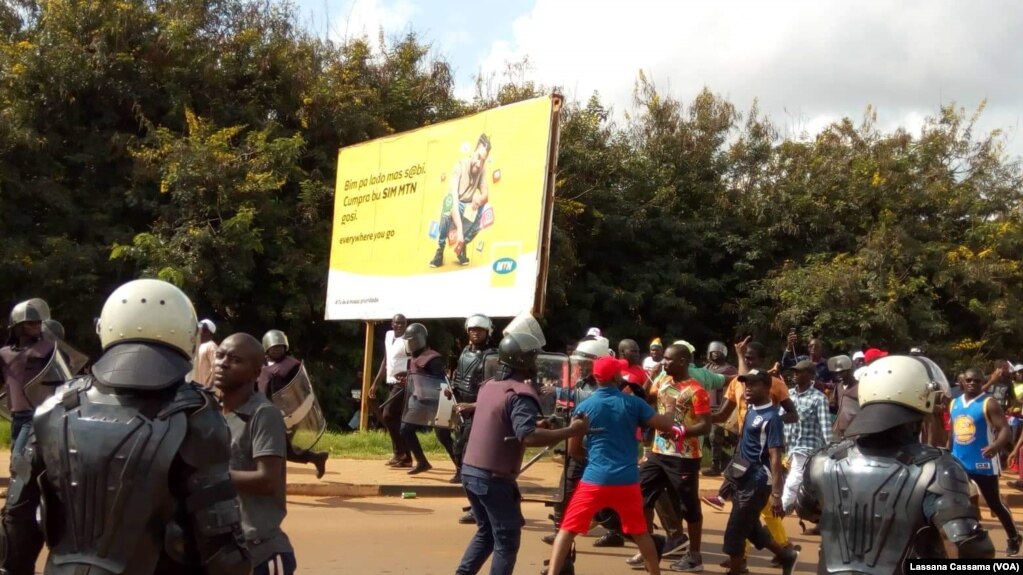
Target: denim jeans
496,505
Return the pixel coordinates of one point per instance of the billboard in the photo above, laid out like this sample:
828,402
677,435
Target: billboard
444,221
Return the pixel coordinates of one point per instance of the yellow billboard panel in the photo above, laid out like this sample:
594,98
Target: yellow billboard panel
444,221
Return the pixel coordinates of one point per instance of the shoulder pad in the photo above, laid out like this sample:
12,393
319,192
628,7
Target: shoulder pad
950,477
66,394
189,396
207,441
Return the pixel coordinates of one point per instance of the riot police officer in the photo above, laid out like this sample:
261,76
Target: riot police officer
131,462
580,369
466,381
880,496
24,357
280,369
505,424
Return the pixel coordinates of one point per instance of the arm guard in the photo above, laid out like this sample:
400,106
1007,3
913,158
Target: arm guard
211,499
21,540
953,513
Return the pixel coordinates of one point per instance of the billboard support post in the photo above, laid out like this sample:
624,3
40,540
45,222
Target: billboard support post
367,377
540,299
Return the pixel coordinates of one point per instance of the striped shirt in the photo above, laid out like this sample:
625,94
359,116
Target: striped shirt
813,430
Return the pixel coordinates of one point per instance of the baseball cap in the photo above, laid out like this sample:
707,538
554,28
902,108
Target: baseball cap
656,344
209,325
1017,367
756,375
805,365
593,332
859,355
873,354
607,368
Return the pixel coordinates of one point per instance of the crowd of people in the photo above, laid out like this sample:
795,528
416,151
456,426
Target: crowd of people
195,480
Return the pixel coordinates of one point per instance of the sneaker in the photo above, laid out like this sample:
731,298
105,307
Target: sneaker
715,502
687,565
776,561
549,538
636,561
457,478
712,472
467,518
462,260
438,258
610,539
1014,542
676,547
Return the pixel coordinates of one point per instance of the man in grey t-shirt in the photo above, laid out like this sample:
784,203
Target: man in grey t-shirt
259,446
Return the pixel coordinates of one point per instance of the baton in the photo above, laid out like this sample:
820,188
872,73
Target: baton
390,399
451,389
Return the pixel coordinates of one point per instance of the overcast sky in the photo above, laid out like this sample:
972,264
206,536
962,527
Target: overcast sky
807,62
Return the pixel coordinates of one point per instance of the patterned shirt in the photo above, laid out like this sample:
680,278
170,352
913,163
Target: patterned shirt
813,430
689,401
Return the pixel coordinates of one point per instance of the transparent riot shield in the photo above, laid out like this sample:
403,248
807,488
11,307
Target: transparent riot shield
426,403
42,385
302,414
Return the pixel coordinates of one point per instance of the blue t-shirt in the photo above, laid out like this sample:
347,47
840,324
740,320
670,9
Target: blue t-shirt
762,430
613,454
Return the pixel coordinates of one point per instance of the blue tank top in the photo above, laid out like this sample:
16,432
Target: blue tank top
971,433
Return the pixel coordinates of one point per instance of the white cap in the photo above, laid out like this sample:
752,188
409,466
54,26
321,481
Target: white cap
1017,367
594,331
209,325
685,343
859,355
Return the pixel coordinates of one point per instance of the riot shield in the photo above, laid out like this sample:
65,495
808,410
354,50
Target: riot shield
426,403
42,385
302,414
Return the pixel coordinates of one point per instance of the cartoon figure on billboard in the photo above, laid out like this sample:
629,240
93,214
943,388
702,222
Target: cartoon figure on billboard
466,210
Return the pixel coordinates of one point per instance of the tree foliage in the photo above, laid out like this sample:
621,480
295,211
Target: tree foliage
196,141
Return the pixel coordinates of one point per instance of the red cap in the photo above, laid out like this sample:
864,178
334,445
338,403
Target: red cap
873,353
606,368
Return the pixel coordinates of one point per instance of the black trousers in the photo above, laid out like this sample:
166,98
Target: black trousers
461,440
390,416
408,434
988,487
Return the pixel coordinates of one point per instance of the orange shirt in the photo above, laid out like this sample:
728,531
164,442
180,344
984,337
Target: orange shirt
736,391
689,400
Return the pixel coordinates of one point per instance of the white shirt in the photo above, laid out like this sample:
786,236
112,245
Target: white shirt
397,360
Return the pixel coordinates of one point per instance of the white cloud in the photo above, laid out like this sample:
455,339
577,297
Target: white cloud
354,18
807,62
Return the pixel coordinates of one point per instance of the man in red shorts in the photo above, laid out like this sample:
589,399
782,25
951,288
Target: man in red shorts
611,478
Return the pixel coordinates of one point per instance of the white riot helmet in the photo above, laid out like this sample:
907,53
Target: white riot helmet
481,321
526,323
150,311
897,389
719,347
137,315
275,337
592,349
